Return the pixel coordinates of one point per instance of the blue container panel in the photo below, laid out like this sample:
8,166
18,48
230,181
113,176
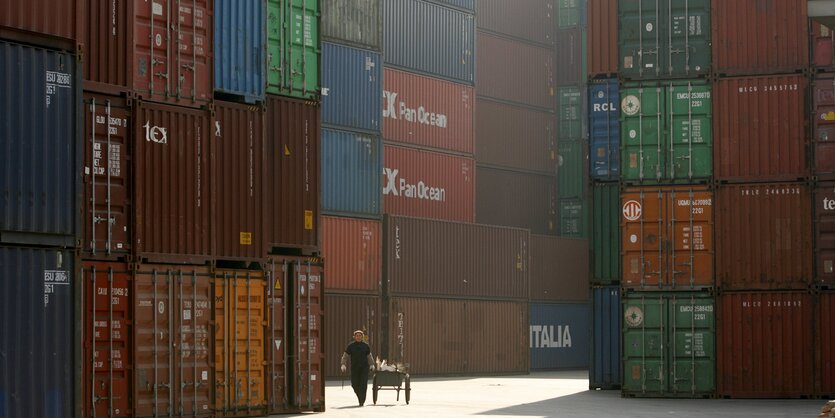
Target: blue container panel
240,45
352,167
604,370
559,336
352,88
604,130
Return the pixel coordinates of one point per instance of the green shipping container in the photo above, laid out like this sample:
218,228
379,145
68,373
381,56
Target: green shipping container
605,233
573,217
669,345
572,113
293,48
569,13
571,168
666,133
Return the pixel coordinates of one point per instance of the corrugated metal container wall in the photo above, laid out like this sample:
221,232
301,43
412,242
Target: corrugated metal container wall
572,172
240,47
571,13
39,173
775,222
605,233
604,129
352,85
429,112
293,161
238,172
466,5
515,137
451,259
559,337
602,39
572,114
529,20
559,269
515,72
765,345
429,38
571,65
824,341
757,37
353,251
49,17
353,22
428,184
760,128
293,48
172,180
573,217
823,125
37,309
512,198
822,40
347,313
825,234
351,167
605,365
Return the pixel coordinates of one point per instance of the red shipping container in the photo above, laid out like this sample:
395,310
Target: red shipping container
518,199
427,112
825,234
764,236
822,40
428,184
764,345
825,346
41,21
516,137
515,72
759,129
602,41
530,20
353,251
823,123
347,313
559,269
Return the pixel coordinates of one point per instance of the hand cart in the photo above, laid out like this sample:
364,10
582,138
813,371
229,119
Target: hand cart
393,379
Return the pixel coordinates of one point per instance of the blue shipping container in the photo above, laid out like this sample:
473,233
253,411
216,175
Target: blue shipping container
37,333
559,336
604,130
429,38
604,370
240,48
352,171
352,88
40,148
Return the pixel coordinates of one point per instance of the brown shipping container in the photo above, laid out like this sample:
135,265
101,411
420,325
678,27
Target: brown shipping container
764,345
515,137
172,198
759,37
292,197
517,199
354,254
52,18
428,184
106,214
825,346
479,336
347,313
529,20
428,112
173,340
764,236
515,72
823,120
667,237
238,221
825,234
429,257
759,128
822,41
162,51
559,269
602,41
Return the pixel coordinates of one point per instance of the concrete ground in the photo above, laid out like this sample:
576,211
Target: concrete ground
542,394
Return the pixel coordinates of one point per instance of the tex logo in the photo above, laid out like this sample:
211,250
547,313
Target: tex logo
155,134
632,210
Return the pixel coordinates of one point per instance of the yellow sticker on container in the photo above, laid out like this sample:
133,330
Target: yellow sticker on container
277,284
246,238
308,219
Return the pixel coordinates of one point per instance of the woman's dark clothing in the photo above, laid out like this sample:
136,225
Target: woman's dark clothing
359,352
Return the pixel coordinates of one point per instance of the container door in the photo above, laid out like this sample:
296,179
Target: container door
692,345
642,242
688,53
293,48
825,234
824,125
644,367
604,130
308,295
642,134
690,143
689,238
641,41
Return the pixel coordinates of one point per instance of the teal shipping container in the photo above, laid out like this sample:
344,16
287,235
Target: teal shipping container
240,49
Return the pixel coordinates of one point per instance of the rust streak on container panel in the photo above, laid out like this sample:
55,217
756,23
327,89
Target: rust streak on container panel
39,20
515,137
517,199
516,72
529,20
347,313
602,48
825,345
824,208
353,250
823,120
559,269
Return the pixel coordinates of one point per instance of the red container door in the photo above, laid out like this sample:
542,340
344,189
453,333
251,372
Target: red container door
823,120
825,346
825,234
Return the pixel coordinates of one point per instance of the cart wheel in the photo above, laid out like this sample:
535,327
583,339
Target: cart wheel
408,390
374,389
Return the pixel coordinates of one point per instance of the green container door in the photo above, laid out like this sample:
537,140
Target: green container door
569,13
573,218
571,114
689,53
691,143
642,134
605,233
293,48
571,169
640,39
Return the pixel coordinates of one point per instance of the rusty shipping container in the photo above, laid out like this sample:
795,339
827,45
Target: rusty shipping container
602,42
292,198
354,253
667,237
527,20
515,137
161,51
559,269
452,259
47,23
764,236
517,199
822,45
515,72
759,37
825,345
824,226
823,125
427,112
347,313
759,128
764,345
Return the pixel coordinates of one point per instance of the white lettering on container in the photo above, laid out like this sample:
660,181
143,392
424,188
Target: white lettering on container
402,187
395,109
543,336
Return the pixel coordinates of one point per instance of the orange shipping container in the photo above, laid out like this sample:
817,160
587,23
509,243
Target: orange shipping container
353,250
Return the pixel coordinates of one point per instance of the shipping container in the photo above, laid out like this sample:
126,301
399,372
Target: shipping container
605,362
572,170
293,48
824,228
571,13
38,307
238,172
571,50
526,20
559,337
351,167
293,164
465,5
515,72
427,112
824,343
602,39
159,51
172,183
429,38
823,125
354,253
572,113
764,345
667,237
822,43
559,269
515,137
573,217
760,129
353,22
39,173
240,47
428,184
605,233
756,37
604,129
517,199
669,345
452,259
764,236
352,85
41,21
347,313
